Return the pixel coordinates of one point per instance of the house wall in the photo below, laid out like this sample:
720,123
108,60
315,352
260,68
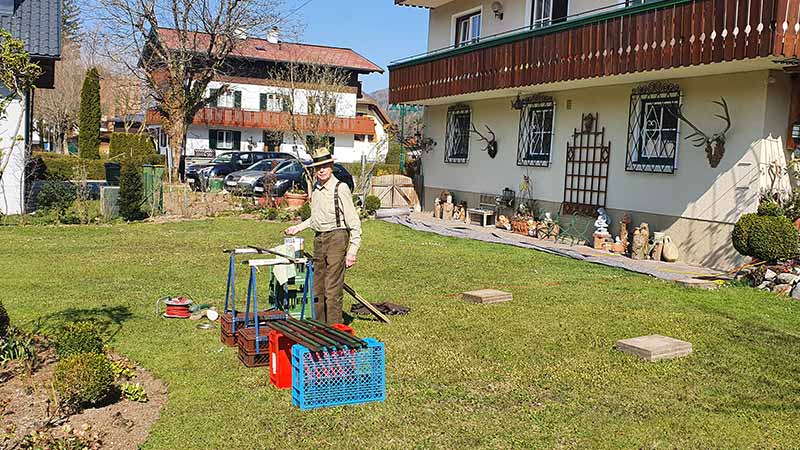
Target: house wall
12,128
251,97
378,145
517,14
709,199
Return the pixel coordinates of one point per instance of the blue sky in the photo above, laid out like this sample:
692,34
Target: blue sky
377,29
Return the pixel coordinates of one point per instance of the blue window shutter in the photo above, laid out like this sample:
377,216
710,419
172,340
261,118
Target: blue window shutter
237,99
214,98
237,140
212,139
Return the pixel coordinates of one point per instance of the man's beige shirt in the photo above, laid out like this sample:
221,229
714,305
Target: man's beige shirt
323,214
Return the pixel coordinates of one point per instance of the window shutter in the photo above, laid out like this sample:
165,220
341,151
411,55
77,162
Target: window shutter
285,103
263,102
237,99
237,140
212,139
214,98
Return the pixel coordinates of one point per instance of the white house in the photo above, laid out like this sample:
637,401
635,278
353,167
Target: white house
38,24
376,146
257,109
584,97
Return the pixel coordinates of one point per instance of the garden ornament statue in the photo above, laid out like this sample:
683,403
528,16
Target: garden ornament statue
491,143
714,144
601,234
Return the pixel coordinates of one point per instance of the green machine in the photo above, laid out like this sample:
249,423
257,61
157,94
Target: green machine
290,294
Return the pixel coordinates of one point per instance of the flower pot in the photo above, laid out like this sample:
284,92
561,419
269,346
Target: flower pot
295,201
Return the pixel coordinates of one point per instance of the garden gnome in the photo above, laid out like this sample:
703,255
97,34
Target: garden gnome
601,234
437,208
337,230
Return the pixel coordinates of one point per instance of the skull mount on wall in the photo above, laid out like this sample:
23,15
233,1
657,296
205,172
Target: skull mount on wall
491,143
714,144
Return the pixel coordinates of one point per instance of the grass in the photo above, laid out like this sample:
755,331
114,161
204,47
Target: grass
539,372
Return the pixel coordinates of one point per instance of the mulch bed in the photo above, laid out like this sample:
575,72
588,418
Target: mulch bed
28,405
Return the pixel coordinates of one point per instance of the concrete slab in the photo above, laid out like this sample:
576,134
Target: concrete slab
698,284
654,347
487,296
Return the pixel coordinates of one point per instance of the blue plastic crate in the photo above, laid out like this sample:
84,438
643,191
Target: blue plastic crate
339,377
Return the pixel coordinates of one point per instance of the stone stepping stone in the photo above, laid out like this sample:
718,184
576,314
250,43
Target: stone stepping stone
654,347
486,296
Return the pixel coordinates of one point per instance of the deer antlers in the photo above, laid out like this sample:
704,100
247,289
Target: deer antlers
491,144
714,144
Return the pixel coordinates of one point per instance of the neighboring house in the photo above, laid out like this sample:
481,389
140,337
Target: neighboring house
38,24
254,113
375,146
533,70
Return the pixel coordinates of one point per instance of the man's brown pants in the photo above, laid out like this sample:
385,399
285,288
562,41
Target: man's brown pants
330,252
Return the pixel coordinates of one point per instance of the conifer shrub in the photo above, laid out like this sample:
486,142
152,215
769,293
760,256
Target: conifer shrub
372,204
5,321
131,190
78,337
84,379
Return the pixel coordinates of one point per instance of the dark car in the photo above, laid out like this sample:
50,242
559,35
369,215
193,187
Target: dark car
243,181
290,173
199,176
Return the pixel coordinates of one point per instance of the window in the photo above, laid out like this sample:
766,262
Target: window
245,159
535,131
162,137
468,29
548,12
457,136
323,106
362,138
224,139
273,102
229,99
653,129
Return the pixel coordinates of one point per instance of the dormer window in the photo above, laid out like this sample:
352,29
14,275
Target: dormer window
468,29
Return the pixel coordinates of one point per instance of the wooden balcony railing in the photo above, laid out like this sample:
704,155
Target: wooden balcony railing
653,36
276,121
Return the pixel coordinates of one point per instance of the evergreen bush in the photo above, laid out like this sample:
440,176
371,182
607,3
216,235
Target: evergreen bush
56,196
5,321
78,337
305,211
770,208
741,233
131,190
774,238
372,204
55,166
89,116
123,145
85,379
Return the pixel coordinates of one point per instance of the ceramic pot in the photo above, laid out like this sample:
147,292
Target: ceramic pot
295,201
670,252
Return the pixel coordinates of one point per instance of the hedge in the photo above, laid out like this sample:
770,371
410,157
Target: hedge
766,238
125,144
55,166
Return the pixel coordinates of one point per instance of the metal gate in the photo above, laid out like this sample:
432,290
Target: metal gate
586,173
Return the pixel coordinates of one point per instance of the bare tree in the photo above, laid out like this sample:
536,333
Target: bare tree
176,47
122,95
56,110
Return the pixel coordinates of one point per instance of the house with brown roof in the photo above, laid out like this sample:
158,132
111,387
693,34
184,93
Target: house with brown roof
261,111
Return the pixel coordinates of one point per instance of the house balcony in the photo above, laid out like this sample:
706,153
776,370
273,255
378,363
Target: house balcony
275,121
635,40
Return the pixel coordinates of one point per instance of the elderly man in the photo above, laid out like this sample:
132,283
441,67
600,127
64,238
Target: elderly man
337,237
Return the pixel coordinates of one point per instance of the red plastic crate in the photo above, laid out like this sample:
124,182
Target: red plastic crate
280,356
227,338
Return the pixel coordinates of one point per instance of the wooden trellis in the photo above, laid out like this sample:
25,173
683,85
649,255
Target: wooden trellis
586,173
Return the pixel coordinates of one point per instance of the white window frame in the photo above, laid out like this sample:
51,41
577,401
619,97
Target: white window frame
454,26
222,142
274,102
226,100
543,19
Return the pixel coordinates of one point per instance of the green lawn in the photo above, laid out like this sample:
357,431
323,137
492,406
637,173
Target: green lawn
539,372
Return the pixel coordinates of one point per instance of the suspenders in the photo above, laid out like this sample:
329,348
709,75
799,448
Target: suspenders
336,205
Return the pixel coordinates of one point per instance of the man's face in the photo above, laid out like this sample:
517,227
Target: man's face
324,173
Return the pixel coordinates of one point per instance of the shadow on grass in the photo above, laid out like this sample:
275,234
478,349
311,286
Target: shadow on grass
107,319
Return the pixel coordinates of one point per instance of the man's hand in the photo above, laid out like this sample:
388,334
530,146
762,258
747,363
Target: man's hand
291,231
350,261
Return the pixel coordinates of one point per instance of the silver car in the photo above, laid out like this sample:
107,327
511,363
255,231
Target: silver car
243,181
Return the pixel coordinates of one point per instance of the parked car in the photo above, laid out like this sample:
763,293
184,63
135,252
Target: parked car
199,176
290,173
243,181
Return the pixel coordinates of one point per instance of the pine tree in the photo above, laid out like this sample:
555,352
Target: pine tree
131,190
89,117
71,25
